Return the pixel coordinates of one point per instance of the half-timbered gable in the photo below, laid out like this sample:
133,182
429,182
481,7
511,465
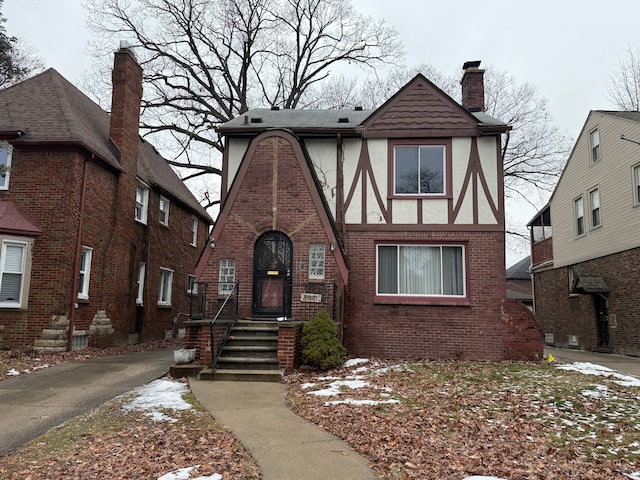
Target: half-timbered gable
404,206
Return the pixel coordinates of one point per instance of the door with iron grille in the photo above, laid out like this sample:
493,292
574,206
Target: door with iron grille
272,270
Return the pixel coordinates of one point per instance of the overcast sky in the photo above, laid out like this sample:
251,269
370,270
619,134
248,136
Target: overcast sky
566,48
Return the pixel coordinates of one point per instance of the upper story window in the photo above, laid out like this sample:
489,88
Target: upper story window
194,231
166,284
164,211
12,273
316,261
6,151
594,141
142,203
84,273
594,203
420,169
579,215
636,184
425,270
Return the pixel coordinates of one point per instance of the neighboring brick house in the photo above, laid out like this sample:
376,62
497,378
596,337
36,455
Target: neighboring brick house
97,231
391,220
585,242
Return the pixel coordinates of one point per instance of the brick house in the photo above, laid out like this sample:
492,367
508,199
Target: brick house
99,236
585,244
391,220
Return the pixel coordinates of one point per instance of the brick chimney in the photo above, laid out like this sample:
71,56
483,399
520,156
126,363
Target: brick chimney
473,87
125,107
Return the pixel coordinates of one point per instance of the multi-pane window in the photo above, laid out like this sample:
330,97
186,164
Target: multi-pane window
193,286
433,270
227,276
636,184
12,264
84,272
579,215
166,281
6,151
316,261
594,140
163,214
419,170
142,203
142,268
594,203
194,231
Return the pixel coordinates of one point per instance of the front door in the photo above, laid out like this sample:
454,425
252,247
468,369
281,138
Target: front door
272,270
602,321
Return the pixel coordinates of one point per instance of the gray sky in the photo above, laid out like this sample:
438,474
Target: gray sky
566,48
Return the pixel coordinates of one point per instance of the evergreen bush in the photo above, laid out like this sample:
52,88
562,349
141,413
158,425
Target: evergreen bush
320,345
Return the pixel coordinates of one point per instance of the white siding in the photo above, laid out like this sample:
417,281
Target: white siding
620,218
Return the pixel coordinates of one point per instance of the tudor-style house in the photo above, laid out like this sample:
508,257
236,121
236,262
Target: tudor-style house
585,243
391,220
99,237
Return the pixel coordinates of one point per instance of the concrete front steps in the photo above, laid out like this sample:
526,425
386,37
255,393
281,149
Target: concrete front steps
250,354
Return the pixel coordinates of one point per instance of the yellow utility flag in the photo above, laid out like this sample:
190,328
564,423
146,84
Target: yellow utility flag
551,358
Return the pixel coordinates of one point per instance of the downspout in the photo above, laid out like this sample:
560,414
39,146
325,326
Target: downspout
76,265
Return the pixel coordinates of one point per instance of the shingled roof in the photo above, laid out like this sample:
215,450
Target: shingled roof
47,109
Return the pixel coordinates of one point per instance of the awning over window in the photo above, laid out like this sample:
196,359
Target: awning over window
589,283
13,222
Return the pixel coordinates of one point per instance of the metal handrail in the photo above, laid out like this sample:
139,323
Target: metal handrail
216,349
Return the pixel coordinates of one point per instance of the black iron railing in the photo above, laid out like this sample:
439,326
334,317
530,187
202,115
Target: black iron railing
217,302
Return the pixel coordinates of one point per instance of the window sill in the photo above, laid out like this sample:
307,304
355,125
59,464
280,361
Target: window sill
400,300
420,196
164,305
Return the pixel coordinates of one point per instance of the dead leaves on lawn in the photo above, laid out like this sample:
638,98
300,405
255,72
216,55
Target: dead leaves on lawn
456,420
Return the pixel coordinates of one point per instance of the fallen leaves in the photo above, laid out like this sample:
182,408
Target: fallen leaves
454,420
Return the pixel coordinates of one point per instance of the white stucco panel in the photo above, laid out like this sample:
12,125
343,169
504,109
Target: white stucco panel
485,213
354,212
460,150
323,156
465,215
237,149
487,149
435,211
405,211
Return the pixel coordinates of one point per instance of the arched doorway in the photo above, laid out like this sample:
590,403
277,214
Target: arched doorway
272,275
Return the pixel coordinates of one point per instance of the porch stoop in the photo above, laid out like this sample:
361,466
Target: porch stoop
250,354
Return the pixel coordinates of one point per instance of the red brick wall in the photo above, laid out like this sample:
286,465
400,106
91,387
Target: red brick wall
260,208
564,315
45,186
524,339
289,346
471,330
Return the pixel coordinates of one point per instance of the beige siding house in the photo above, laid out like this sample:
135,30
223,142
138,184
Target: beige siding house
586,267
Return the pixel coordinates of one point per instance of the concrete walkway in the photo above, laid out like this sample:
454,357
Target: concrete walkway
621,363
285,446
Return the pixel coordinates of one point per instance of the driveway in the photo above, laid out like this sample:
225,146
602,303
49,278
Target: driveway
32,404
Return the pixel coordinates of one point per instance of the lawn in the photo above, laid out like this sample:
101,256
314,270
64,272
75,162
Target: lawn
451,420
418,420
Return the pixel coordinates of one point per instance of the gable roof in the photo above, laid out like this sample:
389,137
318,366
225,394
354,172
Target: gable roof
419,108
520,270
49,110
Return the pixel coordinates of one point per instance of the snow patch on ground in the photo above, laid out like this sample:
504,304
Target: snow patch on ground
593,369
185,474
156,400
157,396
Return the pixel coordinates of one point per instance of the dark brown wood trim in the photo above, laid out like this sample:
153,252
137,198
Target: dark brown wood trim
339,180
224,182
422,133
358,172
420,204
374,185
425,228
